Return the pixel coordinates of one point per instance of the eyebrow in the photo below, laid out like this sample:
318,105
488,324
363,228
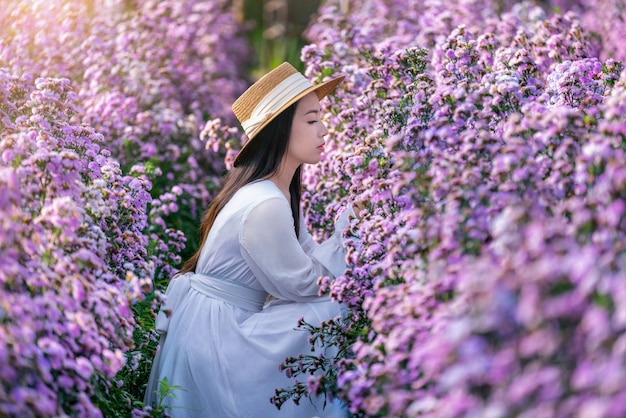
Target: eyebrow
311,111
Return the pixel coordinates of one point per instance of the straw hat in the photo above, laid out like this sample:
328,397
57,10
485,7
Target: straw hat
273,93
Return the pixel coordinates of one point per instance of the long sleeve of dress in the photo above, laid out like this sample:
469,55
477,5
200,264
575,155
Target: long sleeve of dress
341,223
287,268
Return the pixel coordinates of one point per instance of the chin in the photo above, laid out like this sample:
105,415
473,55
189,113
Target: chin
312,159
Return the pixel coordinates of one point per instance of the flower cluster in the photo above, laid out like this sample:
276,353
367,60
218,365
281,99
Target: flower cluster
73,253
487,148
102,105
148,76
483,140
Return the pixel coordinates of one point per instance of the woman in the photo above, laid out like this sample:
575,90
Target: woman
230,314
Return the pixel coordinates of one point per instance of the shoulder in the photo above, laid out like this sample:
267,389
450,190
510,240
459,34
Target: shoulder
265,211
257,195
263,187
257,192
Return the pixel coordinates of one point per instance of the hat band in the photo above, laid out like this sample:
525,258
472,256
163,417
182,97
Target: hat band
274,100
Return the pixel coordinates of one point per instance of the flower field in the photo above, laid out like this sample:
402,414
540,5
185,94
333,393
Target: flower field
103,175
485,139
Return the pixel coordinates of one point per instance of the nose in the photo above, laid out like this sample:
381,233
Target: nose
323,129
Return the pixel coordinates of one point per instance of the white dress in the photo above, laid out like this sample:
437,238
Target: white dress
222,343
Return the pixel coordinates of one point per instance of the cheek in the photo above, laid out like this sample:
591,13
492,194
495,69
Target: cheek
298,130
302,133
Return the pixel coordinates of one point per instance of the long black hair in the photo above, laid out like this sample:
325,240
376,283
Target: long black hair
260,159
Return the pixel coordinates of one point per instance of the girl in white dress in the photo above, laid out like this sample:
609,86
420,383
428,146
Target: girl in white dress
230,315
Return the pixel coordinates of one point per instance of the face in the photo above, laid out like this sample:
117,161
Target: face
306,141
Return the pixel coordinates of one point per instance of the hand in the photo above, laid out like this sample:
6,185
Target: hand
358,207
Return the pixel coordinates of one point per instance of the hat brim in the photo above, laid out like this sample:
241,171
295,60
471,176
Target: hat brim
322,90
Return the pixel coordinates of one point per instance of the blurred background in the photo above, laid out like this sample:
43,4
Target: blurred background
277,31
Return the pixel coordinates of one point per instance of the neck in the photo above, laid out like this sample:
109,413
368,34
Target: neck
282,178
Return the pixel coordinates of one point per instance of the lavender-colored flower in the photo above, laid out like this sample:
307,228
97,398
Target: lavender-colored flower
492,171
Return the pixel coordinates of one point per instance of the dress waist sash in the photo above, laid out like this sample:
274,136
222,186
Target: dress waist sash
213,287
229,291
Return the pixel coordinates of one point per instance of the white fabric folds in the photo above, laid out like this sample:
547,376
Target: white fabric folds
214,287
221,344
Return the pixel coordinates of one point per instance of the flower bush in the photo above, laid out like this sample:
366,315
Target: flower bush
102,113
483,140
73,253
146,75
169,67
484,272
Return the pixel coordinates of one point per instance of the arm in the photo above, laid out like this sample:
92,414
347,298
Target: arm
307,242
278,260
309,245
